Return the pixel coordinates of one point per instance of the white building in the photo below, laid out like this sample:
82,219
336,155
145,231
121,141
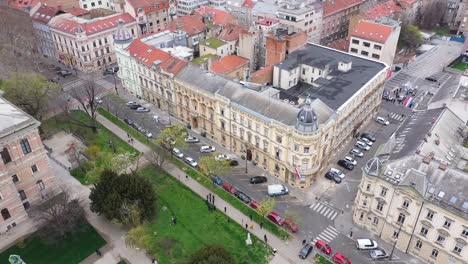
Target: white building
186,7
376,40
93,4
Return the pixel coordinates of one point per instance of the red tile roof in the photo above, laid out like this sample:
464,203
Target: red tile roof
384,9
249,4
372,31
191,24
162,4
146,54
44,13
262,71
77,11
340,44
91,27
173,65
22,4
267,21
227,64
231,32
219,16
334,6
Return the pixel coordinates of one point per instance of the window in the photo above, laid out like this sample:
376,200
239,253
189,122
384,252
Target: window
5,156
430,215
396,233
405,204
22,195
465,232
447,223
380,206
100,2
306,150
366,44
34,168
107,50
85,6
376,221
435,253
424,231
418,244
441,239
383,192
25,146
355,41
365,53
375,56
93,4
5,214
368,187
279,139
222,111
458,248
296,147
26,205
266,131
401,218
40,185
353,50
94,43
377,47
15,178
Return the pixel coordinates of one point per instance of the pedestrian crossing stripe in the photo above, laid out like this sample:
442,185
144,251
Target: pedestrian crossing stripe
324,210
327,235
397,117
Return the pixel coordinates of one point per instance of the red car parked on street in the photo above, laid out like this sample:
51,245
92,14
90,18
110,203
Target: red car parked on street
323,246
275,218
228,187
340,259
289,223
254,204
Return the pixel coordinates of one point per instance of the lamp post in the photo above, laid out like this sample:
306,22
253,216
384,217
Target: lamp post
396,241
115,84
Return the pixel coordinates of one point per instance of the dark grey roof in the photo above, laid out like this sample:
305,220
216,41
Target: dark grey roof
373,167
343,85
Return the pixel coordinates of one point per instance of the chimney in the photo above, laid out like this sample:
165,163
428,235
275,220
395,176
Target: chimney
345,66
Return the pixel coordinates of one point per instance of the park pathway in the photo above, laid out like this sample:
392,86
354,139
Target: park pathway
286,250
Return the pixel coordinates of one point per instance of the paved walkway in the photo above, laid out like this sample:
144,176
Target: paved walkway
286,250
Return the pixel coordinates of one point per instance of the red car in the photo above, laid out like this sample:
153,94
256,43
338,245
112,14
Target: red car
254,204
228,187
340,259
322,245
275,218
289,223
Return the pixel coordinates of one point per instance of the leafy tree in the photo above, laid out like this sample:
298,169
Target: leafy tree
266,206
138,237
410,38
93,152
113,193
293,215
29,91
211,254
173,137
210,166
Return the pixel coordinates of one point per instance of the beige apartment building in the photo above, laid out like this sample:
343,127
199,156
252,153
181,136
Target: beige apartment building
151,15
88,45
414,195
26,178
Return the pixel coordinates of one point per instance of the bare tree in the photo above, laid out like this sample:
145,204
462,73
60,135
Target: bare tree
74,153
157,156
59,217
86,98
433,13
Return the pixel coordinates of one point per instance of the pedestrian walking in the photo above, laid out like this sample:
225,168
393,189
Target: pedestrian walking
98,252
213,198
250,217
261,225
128,135
224,209
303,242
174,220
265,238
153,261
246,226
274,251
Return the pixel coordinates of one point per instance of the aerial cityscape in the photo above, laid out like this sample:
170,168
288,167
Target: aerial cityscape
233,131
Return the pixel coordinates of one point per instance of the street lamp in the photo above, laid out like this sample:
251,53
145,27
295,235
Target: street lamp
115,84
396,241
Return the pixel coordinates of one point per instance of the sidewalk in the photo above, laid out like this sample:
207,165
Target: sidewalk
286,250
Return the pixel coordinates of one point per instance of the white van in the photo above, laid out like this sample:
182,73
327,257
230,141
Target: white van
366,244
277,189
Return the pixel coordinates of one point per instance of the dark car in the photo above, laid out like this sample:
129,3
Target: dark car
128,121
134,106
346,165
233,163
332,176
431,79
217,180
243,197
111,70
305,251
258,179
64,73
368,136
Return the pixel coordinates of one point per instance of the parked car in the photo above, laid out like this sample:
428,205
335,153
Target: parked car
346,165
382,121
217,180
277,189
323,246
289,224
275,218
228,187
362,145
356,153
111,70
134,106
368,136
305,251
148,134
367,141
365,243
337,172
177,153
191,162
340,259
142,110
128,121
222,157
64,73
378,254
350,160
254,204
191,139
333,177
233,163
131,103
156,118
97,100
243,197
431,79
207,149
258,179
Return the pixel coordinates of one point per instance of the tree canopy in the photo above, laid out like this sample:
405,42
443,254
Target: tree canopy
210,166
173,137
211,254
113,194
410,37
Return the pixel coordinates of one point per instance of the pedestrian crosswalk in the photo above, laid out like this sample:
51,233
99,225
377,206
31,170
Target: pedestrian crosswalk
327,235
324,210
397,117
72,85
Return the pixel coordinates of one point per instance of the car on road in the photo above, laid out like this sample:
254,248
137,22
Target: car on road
97,100
177,153
350,160
378,254
191,162
367,141
64,73
156,118
333,177
233,163
365,243
243,197
305,251
217,180
207,149
258,179
228,187
128,121
191,139
323,246
148,134
362,145
131,103
356,153
382,121
277,189
275,218
111,70
254,204
346,165
222,157
134,106
338,258
337,172
368,136
142,110
431,79
289,224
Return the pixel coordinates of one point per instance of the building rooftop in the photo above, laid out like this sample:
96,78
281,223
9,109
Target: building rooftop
213,43
149,6
13,119
44,13
383,9
231,32
191,24
90,27
228,64
218,16
372,31
173,65
203,59
335,6
77,11
343,85
147,54
268,8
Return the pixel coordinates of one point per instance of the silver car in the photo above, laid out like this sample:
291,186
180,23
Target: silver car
191,162
362,145
378,254
356,153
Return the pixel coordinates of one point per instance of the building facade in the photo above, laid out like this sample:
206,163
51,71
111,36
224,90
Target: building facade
93,4
151,15
26,178
41,15
186,7
336,16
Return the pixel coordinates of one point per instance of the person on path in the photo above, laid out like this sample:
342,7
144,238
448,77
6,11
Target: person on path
224,209
265,238
250,217
213,198
303,242
98,252
261,225
246,226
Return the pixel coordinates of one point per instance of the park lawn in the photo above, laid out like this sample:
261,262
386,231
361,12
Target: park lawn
85,173
319,259
72,250
195,227
460,66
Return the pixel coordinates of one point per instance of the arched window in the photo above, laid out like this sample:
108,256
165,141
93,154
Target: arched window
401,218
25,146
5,214
5,156
40,185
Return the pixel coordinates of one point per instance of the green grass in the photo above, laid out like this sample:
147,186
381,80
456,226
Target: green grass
207,182
319,259
88,172
443,31
195,227
204,58
70,251
460,66
213,43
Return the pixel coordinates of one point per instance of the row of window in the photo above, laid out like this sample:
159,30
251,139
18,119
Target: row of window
367,44
365,53
22,194
85,6
457,249
25,147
